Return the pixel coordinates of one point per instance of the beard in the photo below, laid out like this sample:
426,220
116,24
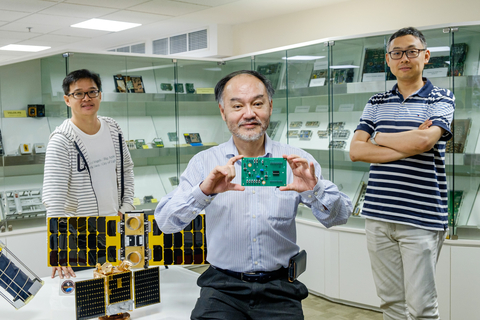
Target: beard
251,135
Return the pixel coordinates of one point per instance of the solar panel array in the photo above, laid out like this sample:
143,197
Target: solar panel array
86,241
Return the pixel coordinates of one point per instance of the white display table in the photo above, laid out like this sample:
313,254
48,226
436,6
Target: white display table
178,294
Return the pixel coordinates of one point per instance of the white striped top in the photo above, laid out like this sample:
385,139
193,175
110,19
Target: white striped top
251,230
413,190
67,184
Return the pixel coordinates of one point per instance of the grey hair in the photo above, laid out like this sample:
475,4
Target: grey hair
221,84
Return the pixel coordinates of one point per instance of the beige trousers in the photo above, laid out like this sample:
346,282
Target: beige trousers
404,260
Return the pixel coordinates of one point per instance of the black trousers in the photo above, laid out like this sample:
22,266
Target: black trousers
224,297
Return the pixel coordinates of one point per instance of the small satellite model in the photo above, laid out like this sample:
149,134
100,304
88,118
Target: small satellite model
136,238
18,284
115,290
133,240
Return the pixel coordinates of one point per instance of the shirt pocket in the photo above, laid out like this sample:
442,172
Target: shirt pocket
283,205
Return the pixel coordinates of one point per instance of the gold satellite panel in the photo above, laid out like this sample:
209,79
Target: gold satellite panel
86,241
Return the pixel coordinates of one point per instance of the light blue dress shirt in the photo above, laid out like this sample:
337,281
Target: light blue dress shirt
252,230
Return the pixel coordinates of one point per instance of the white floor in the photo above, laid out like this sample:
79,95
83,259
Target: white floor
178,294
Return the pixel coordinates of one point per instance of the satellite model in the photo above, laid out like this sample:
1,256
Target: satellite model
16,286
115,290
133,240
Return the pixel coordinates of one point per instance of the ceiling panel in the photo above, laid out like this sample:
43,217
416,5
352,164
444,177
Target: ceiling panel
59,38
25,5
17,35
167,7
210,3
44,42
50,20
8,15
135,17
78,11
6,41
23,27
119,4
80,32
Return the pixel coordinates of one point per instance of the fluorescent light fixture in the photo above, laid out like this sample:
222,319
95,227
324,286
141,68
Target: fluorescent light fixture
346,66
212,69
303,58
439,49
25,48
147,68
105,25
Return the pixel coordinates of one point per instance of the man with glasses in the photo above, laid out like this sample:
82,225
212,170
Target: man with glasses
88,168
403,133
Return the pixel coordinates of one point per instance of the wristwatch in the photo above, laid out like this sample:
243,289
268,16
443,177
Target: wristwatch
372,138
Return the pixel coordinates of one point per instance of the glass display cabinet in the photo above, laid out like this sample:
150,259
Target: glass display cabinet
165,107
323,88
167,111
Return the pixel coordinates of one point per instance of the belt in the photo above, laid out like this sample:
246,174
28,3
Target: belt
259,276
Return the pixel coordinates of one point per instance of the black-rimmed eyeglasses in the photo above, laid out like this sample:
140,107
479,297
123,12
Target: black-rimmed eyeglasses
79,95
411,53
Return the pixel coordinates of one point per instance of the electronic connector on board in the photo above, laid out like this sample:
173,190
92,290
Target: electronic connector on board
264,172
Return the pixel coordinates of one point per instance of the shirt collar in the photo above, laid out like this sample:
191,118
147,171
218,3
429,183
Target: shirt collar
231,148
423,92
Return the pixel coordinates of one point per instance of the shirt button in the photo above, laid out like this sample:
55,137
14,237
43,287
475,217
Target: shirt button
254,239
309,195
316,193
254,216
256,262
194,212
253,191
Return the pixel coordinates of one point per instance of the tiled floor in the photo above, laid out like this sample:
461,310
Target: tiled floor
316,308
320,309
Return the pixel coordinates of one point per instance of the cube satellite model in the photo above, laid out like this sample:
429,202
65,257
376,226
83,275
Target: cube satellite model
134,238
18,284
113,295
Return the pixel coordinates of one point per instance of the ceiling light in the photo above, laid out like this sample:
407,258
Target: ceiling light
21,47
105,25
212,69
439,49
347,66
147,68
303,58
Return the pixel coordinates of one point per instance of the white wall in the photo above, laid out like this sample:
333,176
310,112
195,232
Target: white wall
349,19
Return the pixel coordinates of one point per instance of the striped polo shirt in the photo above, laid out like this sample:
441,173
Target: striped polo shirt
413,190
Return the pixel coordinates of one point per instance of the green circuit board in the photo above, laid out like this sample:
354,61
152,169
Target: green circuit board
264,172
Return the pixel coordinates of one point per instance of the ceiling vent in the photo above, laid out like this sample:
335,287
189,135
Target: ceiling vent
137,48
181,43
178,44
160,46
134,48
197,40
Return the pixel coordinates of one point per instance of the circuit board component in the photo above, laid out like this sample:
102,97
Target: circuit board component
264,172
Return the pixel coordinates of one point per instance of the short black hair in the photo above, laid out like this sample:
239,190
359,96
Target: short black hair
405,32
76,75
221,84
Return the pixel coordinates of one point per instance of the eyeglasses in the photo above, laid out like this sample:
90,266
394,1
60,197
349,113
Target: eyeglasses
80,95
411,53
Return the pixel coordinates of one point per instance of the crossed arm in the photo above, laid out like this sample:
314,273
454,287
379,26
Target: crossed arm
394,146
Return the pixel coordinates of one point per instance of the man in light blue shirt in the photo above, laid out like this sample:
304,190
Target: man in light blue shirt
251,232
